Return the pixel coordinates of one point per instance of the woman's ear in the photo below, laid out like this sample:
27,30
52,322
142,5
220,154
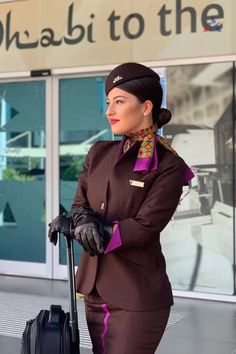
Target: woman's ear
148,105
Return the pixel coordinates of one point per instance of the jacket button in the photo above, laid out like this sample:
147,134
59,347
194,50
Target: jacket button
102,206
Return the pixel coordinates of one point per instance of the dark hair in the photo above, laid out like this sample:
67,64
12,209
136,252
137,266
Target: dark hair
149,88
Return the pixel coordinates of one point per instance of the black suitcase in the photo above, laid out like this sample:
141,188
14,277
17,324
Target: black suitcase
53,331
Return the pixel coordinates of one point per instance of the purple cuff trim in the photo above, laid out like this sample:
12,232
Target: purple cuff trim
105,323
115,241
188,176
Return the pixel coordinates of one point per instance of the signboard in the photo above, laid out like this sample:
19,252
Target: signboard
39,34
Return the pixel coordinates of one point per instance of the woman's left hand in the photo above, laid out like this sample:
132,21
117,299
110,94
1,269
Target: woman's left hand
89,237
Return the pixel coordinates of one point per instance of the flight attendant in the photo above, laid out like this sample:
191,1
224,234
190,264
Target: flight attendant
126,195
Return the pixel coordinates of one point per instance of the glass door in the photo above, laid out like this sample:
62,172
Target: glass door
82,121
23,246
81,111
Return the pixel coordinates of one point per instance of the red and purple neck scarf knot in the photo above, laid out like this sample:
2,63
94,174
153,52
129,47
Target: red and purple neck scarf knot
147,155
147,159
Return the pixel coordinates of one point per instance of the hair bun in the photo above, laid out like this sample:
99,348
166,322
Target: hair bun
164,117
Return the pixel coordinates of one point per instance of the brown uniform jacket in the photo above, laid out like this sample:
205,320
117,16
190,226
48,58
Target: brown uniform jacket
133,276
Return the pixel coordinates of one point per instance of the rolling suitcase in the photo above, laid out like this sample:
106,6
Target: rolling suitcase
53,331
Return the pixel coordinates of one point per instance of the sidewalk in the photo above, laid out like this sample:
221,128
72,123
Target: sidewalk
194,327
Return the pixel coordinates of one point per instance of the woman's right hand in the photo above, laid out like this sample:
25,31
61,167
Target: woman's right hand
61,224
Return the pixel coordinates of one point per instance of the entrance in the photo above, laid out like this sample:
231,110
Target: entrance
46,128
24,111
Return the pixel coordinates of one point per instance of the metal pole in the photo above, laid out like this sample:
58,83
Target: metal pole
72,291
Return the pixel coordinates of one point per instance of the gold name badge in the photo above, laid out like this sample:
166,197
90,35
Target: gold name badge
136,183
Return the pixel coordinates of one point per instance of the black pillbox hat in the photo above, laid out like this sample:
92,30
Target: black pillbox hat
127,72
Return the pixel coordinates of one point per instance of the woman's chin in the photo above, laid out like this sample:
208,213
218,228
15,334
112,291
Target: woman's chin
116,130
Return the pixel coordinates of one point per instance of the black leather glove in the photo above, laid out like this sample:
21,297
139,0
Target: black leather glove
106,231
61,224
89,231
78,215
88,236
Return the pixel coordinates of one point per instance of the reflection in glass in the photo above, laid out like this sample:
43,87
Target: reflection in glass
198,243
82,123
22,169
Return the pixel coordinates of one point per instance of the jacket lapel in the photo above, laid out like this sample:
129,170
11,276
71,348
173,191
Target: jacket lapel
129,157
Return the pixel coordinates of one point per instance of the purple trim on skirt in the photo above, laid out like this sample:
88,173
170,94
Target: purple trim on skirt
115,241
105,323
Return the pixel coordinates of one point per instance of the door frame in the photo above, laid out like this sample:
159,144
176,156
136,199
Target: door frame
34,269
59,271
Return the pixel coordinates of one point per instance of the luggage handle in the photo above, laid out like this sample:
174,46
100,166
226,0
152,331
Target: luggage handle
54,314
72,290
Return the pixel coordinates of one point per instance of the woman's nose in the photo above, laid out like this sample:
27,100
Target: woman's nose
110,110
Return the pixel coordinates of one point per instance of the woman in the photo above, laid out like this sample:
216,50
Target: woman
126,195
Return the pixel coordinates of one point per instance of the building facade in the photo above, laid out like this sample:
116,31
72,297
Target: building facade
54,59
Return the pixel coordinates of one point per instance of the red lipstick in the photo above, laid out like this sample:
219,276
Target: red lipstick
113,121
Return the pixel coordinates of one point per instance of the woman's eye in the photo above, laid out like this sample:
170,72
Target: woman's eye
116,102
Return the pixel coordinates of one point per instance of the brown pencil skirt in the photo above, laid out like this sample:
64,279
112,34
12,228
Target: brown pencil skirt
116,331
